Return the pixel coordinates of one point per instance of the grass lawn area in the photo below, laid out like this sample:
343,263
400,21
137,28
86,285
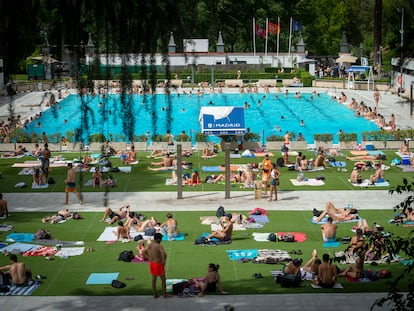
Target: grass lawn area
185,260
142,179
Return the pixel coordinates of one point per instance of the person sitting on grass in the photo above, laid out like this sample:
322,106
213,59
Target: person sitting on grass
38,178
211,281
320,160
329,231
326,273
355,270
207,153
357,241
17,272
293,267
226,233
131,156
170,227
97,177
356,177
312,265
122,232
378,176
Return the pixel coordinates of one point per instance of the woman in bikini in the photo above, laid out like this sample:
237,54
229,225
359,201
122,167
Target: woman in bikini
211,281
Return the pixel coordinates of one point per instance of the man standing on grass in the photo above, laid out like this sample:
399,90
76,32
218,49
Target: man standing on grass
46,154
4,212
156,255
71,184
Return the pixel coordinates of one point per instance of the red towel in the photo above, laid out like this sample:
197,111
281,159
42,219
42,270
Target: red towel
299,236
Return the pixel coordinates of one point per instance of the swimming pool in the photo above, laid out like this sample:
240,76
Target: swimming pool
267,114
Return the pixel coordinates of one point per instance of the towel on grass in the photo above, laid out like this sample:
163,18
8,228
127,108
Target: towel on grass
208,220
27,171
331,244
375,152
70,251
365,184
235,156
125,169
309,182
5,227
20,237
325,220
299,236
236,227
261,236
336,285
13,157
337,164
262,154
359,152
173,182
36,186
102,278
259,218
242,254
180,237
216,168
22,290
18,248
406,168
41,251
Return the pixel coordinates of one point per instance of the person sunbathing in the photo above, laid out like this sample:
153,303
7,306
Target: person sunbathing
207,153
326,273
60,216
170,227
355,271
337,214
131,156
356,177
364,157
404,150
329,231
320,160
158,153
378,176
357,241
38,178
311,266
122,213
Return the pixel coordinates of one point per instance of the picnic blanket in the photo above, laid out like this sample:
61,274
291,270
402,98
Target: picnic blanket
259,218
236,227
242,254
20,237
262,154
22,290
101,278
27,171
261,236
216,168
29,164
18,248
208,220
309,182
365,184
70,251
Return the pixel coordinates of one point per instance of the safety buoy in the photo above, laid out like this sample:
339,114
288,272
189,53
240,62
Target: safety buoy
399,79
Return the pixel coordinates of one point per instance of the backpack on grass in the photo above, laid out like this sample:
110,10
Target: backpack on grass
126,256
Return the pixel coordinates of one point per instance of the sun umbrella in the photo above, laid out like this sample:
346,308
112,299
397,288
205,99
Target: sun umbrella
347,58
46,59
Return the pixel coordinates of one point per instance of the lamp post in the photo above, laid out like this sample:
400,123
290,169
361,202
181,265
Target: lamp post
361,51
402,47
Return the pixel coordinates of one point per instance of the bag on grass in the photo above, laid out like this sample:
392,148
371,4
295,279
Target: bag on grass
272,237
42,234
178,288
287,238
288,280
118,284
126,256
76,216
150,231
200,240
220,212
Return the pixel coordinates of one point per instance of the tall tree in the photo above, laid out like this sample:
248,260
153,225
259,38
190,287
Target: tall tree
377,30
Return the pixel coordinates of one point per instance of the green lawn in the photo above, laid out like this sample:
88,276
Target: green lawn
185,260
142,179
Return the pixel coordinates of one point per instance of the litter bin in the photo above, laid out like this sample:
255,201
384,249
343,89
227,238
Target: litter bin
258,190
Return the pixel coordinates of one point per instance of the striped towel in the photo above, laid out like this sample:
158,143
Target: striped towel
22,290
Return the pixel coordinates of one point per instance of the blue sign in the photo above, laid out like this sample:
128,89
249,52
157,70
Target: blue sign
222,120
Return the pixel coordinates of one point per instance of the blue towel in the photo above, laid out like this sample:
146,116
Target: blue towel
338,164
207,234
19,247
331,244
179,237
211,168
375,152
20,237
242,254
102,278
259,218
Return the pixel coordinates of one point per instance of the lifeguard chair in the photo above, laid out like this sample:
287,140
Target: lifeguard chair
360,69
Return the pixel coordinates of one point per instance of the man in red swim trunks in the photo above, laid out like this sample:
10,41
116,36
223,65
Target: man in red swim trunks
156,255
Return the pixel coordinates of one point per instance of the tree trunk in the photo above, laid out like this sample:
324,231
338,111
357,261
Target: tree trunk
377,30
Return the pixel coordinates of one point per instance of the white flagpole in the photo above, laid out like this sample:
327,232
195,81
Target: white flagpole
290,36
278,36
254,36
267,31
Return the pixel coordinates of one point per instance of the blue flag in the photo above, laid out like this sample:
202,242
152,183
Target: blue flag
297,26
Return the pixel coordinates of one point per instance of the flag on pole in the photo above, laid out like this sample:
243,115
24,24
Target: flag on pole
260,31
274,29
297,26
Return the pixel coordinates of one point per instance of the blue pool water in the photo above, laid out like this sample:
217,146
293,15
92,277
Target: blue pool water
268,114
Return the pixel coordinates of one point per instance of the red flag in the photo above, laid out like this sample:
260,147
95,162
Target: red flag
260,31
274,29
